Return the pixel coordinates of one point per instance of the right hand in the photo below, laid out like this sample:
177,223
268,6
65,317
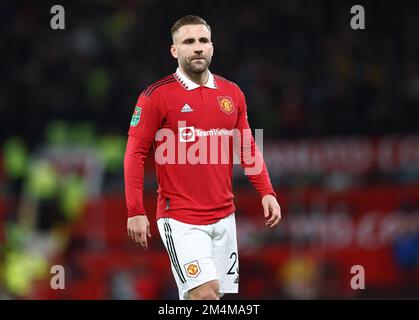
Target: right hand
138,229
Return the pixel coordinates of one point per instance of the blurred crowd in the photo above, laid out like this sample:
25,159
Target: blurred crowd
67,98
303,69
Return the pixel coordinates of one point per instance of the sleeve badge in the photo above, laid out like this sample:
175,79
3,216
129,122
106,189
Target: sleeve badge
136,116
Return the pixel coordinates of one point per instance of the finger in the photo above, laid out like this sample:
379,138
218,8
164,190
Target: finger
266,210
131,235
273,216
148,231
137,238
277,217
144,240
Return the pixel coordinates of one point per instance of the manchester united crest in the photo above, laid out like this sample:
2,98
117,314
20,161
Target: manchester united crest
192,269
226,104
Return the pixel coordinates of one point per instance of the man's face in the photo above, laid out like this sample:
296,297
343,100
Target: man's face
192,47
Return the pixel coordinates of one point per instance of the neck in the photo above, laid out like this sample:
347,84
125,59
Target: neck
199,78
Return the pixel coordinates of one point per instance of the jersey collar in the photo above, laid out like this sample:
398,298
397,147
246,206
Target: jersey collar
190,85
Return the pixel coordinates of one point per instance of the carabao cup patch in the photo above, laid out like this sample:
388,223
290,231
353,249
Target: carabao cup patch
192,269
136,116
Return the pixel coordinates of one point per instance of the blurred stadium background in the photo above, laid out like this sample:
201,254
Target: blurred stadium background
340,113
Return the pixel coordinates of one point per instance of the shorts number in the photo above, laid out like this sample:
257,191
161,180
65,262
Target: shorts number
235,260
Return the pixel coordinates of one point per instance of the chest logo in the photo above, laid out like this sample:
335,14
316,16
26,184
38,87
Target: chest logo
226,104
187,134
186,108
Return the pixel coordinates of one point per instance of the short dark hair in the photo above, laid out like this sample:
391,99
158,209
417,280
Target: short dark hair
188,20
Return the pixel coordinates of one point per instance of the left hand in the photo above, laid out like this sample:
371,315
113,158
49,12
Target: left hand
271,206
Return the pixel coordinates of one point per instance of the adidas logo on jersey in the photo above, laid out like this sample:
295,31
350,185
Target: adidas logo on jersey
186,108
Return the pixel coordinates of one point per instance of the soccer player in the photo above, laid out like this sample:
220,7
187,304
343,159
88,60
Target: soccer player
182,115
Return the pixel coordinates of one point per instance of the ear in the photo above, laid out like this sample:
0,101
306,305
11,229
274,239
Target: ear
173,51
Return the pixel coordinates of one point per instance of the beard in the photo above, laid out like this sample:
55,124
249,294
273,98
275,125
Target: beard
196,66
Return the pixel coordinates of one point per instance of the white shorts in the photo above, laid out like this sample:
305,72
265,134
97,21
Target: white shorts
201,253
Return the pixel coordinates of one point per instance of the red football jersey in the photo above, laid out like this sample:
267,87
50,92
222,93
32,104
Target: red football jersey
192,130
